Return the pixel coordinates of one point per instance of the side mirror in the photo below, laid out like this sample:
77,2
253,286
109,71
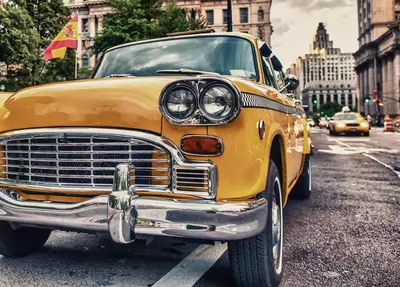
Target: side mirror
292,82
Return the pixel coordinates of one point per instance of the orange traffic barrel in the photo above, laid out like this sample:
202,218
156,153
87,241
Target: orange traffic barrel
388,124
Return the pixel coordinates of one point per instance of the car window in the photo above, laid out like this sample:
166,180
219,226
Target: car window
224,55
348,117
279,79
269,78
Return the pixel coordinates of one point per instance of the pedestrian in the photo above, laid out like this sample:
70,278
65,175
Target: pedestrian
369,119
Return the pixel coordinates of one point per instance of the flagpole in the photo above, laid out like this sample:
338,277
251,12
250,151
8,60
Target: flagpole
76,64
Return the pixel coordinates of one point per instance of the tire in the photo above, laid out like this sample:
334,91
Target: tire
302,189
251,259
367,134
21,242
332,133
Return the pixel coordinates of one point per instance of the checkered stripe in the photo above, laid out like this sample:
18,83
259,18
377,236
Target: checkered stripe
255,101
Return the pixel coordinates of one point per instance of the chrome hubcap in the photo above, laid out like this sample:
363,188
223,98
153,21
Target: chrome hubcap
277,228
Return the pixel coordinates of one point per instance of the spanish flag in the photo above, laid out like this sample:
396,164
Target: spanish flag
67,38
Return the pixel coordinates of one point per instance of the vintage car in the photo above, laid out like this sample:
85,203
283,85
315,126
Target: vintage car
188,136
348,123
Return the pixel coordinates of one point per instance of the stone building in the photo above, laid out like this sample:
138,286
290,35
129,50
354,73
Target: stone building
325,74
378,57
249,16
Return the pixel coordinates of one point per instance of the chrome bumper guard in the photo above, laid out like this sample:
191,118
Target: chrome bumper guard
124,214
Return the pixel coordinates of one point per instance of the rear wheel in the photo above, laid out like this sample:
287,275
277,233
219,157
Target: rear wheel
21,242
302,189
257,261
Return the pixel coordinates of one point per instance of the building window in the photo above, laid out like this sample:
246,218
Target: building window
85,44
210,16
260,15
244,15
85,24
85,61
321,99
343,100
225,15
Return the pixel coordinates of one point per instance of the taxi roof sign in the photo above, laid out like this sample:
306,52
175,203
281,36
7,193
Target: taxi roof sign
346,110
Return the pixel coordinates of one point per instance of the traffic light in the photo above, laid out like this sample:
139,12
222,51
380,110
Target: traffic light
315,102
322,113
367,100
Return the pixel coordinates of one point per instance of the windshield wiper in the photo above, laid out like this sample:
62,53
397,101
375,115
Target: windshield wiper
119,75
186,71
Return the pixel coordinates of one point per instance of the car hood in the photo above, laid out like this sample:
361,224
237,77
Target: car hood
121,103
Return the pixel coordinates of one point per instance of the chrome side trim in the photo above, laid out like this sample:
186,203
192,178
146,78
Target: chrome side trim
176,156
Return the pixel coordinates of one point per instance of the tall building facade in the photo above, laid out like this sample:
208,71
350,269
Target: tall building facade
249,16
378,57
325,74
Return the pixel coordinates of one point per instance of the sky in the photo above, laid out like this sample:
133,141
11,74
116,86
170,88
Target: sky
295,23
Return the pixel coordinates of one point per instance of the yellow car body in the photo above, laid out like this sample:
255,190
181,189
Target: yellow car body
268,125
349,123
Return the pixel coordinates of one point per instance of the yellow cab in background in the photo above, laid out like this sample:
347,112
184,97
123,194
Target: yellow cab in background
347,122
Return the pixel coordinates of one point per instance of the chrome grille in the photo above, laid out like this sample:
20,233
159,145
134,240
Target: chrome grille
81,160
187,179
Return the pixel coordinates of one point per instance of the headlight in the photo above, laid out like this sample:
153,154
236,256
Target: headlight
364,124
179,103
341,125
217,102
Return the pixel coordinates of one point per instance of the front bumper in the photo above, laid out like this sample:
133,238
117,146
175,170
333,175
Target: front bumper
123,214
347,129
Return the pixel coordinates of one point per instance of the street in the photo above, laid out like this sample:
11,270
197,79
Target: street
346,234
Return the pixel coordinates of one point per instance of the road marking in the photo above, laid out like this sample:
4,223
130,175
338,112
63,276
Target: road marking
375,159
193,267
382,163
350,140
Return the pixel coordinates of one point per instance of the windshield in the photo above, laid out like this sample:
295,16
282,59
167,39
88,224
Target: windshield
346,117
224,55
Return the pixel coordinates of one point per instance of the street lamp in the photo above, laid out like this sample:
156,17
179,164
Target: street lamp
229,16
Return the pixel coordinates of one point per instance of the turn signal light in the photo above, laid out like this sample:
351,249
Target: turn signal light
201,145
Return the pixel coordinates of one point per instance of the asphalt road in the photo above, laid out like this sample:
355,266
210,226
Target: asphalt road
346,234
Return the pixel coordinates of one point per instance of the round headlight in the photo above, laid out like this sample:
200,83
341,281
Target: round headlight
218,102
180,103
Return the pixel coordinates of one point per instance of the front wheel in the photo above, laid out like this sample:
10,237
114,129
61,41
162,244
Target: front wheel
21,242
257,261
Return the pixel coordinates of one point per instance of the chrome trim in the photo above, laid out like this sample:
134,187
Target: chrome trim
124,214
199,118
176,158
203,136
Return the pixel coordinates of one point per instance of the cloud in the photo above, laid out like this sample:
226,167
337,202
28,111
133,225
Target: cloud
280,27
314,5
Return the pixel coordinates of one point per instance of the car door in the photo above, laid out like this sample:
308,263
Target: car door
294,130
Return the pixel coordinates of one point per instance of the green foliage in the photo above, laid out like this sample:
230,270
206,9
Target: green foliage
18,41
135,20
27,28
328,110
84,73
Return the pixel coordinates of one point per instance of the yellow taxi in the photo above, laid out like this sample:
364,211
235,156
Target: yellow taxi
348,123
190,136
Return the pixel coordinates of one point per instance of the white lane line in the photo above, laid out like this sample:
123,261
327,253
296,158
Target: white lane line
382,163
350,140
193,267
375,159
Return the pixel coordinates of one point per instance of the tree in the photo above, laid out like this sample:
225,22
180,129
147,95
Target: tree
27,27
135,20
18,42
49,17
330,109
